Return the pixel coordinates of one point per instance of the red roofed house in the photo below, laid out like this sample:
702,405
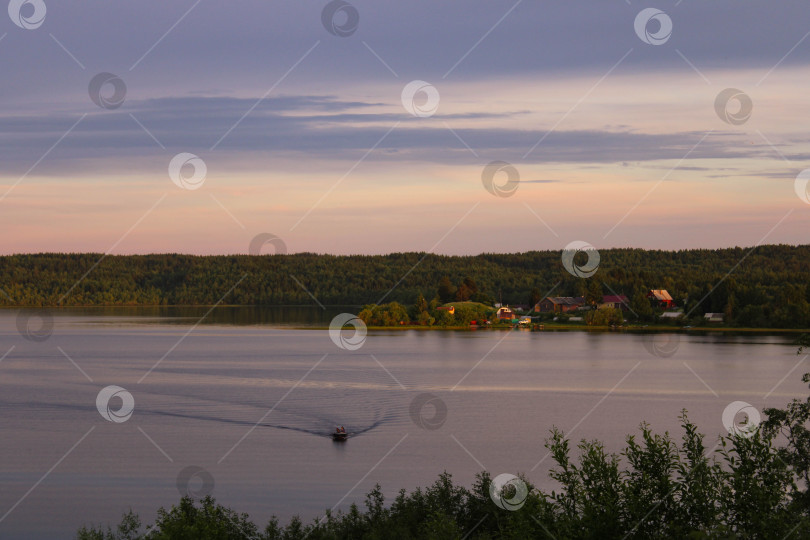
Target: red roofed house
660,298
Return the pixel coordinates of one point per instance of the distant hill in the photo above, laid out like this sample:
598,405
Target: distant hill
764,286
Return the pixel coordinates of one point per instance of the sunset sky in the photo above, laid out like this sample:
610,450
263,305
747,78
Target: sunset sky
617,141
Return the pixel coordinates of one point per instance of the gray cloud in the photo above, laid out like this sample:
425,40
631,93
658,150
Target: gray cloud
222,47
290,125
188,86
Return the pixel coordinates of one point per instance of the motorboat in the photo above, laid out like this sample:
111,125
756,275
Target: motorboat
340,434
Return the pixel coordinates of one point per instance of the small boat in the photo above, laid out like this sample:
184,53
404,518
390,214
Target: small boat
340,434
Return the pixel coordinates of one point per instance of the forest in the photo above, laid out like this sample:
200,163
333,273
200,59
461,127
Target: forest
764,286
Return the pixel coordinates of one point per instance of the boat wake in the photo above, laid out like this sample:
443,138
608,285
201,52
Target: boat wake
322,426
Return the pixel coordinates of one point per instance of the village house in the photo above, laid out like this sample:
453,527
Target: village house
660,298
505,313
559,304
450,309
615,301
713,317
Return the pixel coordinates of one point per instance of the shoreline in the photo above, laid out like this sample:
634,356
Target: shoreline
651,328
574,327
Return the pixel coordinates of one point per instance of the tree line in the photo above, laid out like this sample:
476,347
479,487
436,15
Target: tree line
766,286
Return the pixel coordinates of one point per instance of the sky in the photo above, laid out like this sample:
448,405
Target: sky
453,127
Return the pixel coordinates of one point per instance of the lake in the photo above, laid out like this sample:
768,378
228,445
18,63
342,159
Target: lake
242,406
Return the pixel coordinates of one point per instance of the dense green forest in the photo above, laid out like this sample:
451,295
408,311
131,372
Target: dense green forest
766,286
752,484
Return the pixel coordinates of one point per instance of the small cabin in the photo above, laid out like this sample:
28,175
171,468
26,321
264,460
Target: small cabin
713,317
505,313
615,301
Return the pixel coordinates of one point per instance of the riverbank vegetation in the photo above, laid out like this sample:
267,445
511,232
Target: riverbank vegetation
425,313
752,483
766,286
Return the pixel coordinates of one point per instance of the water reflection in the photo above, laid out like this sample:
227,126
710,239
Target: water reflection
221,315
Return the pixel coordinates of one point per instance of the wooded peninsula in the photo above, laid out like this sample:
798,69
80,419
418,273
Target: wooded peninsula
765,287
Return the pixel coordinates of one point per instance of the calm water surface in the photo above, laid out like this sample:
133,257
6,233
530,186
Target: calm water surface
253,402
